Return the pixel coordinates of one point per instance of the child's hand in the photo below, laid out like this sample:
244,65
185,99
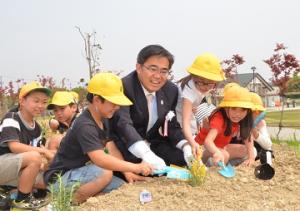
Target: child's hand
144,168
53,124
47,153
132,177
218,156
255,133
195,149
249,162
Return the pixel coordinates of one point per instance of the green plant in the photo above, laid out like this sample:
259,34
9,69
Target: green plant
62,195
292,143
198,172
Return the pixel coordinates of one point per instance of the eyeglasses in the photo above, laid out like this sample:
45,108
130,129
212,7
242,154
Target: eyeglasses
205,83
155,69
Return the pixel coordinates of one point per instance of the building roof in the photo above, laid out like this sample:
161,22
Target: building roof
245,79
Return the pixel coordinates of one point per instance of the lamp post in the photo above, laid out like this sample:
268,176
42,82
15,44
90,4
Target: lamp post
253,68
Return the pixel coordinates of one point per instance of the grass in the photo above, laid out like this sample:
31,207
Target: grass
290,118
62,196
293,144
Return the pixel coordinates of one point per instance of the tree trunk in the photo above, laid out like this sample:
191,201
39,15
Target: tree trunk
281,117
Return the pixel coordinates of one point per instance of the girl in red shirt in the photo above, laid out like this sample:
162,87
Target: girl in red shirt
232,116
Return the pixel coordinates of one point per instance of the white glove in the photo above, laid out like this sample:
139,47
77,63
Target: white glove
188,154
154,160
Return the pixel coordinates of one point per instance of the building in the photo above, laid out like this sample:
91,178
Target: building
256,83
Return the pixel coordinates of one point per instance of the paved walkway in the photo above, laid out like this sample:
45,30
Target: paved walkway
285,108
285,133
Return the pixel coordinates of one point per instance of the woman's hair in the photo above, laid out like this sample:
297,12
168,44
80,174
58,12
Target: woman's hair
184,81
245,124
90,97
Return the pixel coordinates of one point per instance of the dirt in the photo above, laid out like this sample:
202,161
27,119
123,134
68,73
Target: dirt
243,192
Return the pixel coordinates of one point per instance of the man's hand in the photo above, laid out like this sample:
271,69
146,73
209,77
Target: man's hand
132,177
187,154
154,160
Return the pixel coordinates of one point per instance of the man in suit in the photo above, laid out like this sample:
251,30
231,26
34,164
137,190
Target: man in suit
147,130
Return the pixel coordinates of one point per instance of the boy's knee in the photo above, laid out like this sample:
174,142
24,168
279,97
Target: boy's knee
107,176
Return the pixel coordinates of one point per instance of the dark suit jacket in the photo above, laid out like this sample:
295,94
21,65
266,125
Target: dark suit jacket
130,122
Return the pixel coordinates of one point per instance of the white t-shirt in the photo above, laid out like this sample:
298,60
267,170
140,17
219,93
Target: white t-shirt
191,93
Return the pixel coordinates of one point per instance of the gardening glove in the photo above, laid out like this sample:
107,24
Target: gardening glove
187,154
154,160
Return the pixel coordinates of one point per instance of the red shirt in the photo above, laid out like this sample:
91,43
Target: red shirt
217,122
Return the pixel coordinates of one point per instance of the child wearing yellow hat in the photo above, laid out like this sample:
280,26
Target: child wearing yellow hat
192,106
20,138
233,116
81,156
65,111
262,140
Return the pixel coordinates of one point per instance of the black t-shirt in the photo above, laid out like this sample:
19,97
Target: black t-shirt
83,136
12,128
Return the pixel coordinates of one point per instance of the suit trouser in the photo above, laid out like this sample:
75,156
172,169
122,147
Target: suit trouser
162,148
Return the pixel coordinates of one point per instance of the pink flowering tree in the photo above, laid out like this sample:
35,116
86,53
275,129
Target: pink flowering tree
284,66
230,65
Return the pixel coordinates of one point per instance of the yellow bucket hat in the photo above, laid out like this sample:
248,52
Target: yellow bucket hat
33,86
207,66
110,87
61,98
257,102
229,85
236,96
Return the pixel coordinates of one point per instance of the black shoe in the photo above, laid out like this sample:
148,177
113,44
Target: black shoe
4,202
31,203
39,193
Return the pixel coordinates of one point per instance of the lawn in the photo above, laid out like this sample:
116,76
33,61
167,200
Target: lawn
291,118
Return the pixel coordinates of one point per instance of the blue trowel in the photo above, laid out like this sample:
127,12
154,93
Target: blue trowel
226,171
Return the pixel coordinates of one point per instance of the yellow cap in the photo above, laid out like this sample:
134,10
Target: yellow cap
33,86
236,96
75,96
257,102
207,66
61,98
110,87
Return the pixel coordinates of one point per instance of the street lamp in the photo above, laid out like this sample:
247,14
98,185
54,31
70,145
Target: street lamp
253,68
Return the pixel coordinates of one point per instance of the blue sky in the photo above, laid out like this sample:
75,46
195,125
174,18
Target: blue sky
38,37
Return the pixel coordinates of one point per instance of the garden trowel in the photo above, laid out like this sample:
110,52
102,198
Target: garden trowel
226,171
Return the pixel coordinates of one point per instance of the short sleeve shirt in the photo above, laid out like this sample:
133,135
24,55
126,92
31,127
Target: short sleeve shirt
83,136
191,93
14,129
217,122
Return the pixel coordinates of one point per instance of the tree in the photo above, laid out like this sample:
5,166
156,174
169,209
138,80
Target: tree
92,51
294,87
283,66
230,65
